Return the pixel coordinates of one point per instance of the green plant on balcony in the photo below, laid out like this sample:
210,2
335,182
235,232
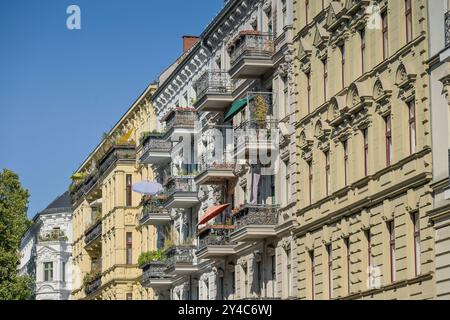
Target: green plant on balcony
55,235
260,109
150,256
91,277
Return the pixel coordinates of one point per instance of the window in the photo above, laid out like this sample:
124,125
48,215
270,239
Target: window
342,50
412,126
388,133
48,271
408,19
129,182
288,182
345,147
233,282
385,29
391,230
329,250
273,274
284,12
366,151
286,97
307,11
308,81
258,278
369,248
245,273
289,272
362,34
310,180
327,173
313,273
221,289
416,228
129,248
325,79
129,296
63,272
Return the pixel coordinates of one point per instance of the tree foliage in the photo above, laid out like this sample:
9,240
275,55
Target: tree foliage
13,224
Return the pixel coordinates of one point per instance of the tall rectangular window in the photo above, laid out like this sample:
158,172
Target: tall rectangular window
408,20
327,173
286,97
348,263
233,282
313,273
221,289
289,272
362,34
129,248
288,182
329,250
366,151
258,278
385,32
412,126
284,12
391,229
369,248
129,183
310,180
342,50
388,134
48,271
307,11
325,79
63,272
273,274
308,81
416,228
345,147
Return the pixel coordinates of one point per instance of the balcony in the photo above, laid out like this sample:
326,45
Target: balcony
214,242
215,173
93,236
155,150
253,138
92,283
53,236
181,193
180,121
154,275
118,153
255,222
214,91
153,211
251,55
84,187
180,260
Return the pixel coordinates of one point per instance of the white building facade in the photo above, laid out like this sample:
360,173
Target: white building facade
46,251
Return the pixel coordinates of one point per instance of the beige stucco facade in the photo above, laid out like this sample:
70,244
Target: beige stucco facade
107,236
363,225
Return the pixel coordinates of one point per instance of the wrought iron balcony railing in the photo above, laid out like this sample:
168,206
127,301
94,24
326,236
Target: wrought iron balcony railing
181,185
93,285
92,233
153,206
117,153
179,255
155,270
447,29
181,118
215,235
213,82
251,44
256,214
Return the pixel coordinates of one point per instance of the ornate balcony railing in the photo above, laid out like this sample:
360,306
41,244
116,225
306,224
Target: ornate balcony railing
93,232
256,214
52,236
447,29
213,82
179,255
153,205
181,118
117,153
252,44
181,184
215,235
155,270
93,285
84,187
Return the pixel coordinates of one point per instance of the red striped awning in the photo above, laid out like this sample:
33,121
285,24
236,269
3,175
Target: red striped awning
213,212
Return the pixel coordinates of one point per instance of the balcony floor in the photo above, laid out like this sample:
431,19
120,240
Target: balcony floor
215,176
249,67
218,251
214,102
156,219
183,200
253,233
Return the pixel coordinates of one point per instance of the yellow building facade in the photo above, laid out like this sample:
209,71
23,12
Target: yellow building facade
364,150
107,236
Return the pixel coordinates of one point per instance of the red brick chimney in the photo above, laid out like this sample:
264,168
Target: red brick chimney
189,42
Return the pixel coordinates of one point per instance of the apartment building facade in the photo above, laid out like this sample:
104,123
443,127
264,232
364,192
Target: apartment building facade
364,146
106,231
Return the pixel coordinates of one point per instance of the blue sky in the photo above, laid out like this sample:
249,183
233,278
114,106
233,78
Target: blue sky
61,89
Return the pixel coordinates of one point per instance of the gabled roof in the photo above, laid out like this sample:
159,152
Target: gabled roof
61,204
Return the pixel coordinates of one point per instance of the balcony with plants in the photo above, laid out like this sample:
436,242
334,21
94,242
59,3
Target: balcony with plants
254,222
180,120
214,241
214,91
251,54
181,190
155,149
93,235
92,281
53,236
180,259
153,210
153,265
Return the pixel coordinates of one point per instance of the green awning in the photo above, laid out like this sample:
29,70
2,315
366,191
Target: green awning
236,107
